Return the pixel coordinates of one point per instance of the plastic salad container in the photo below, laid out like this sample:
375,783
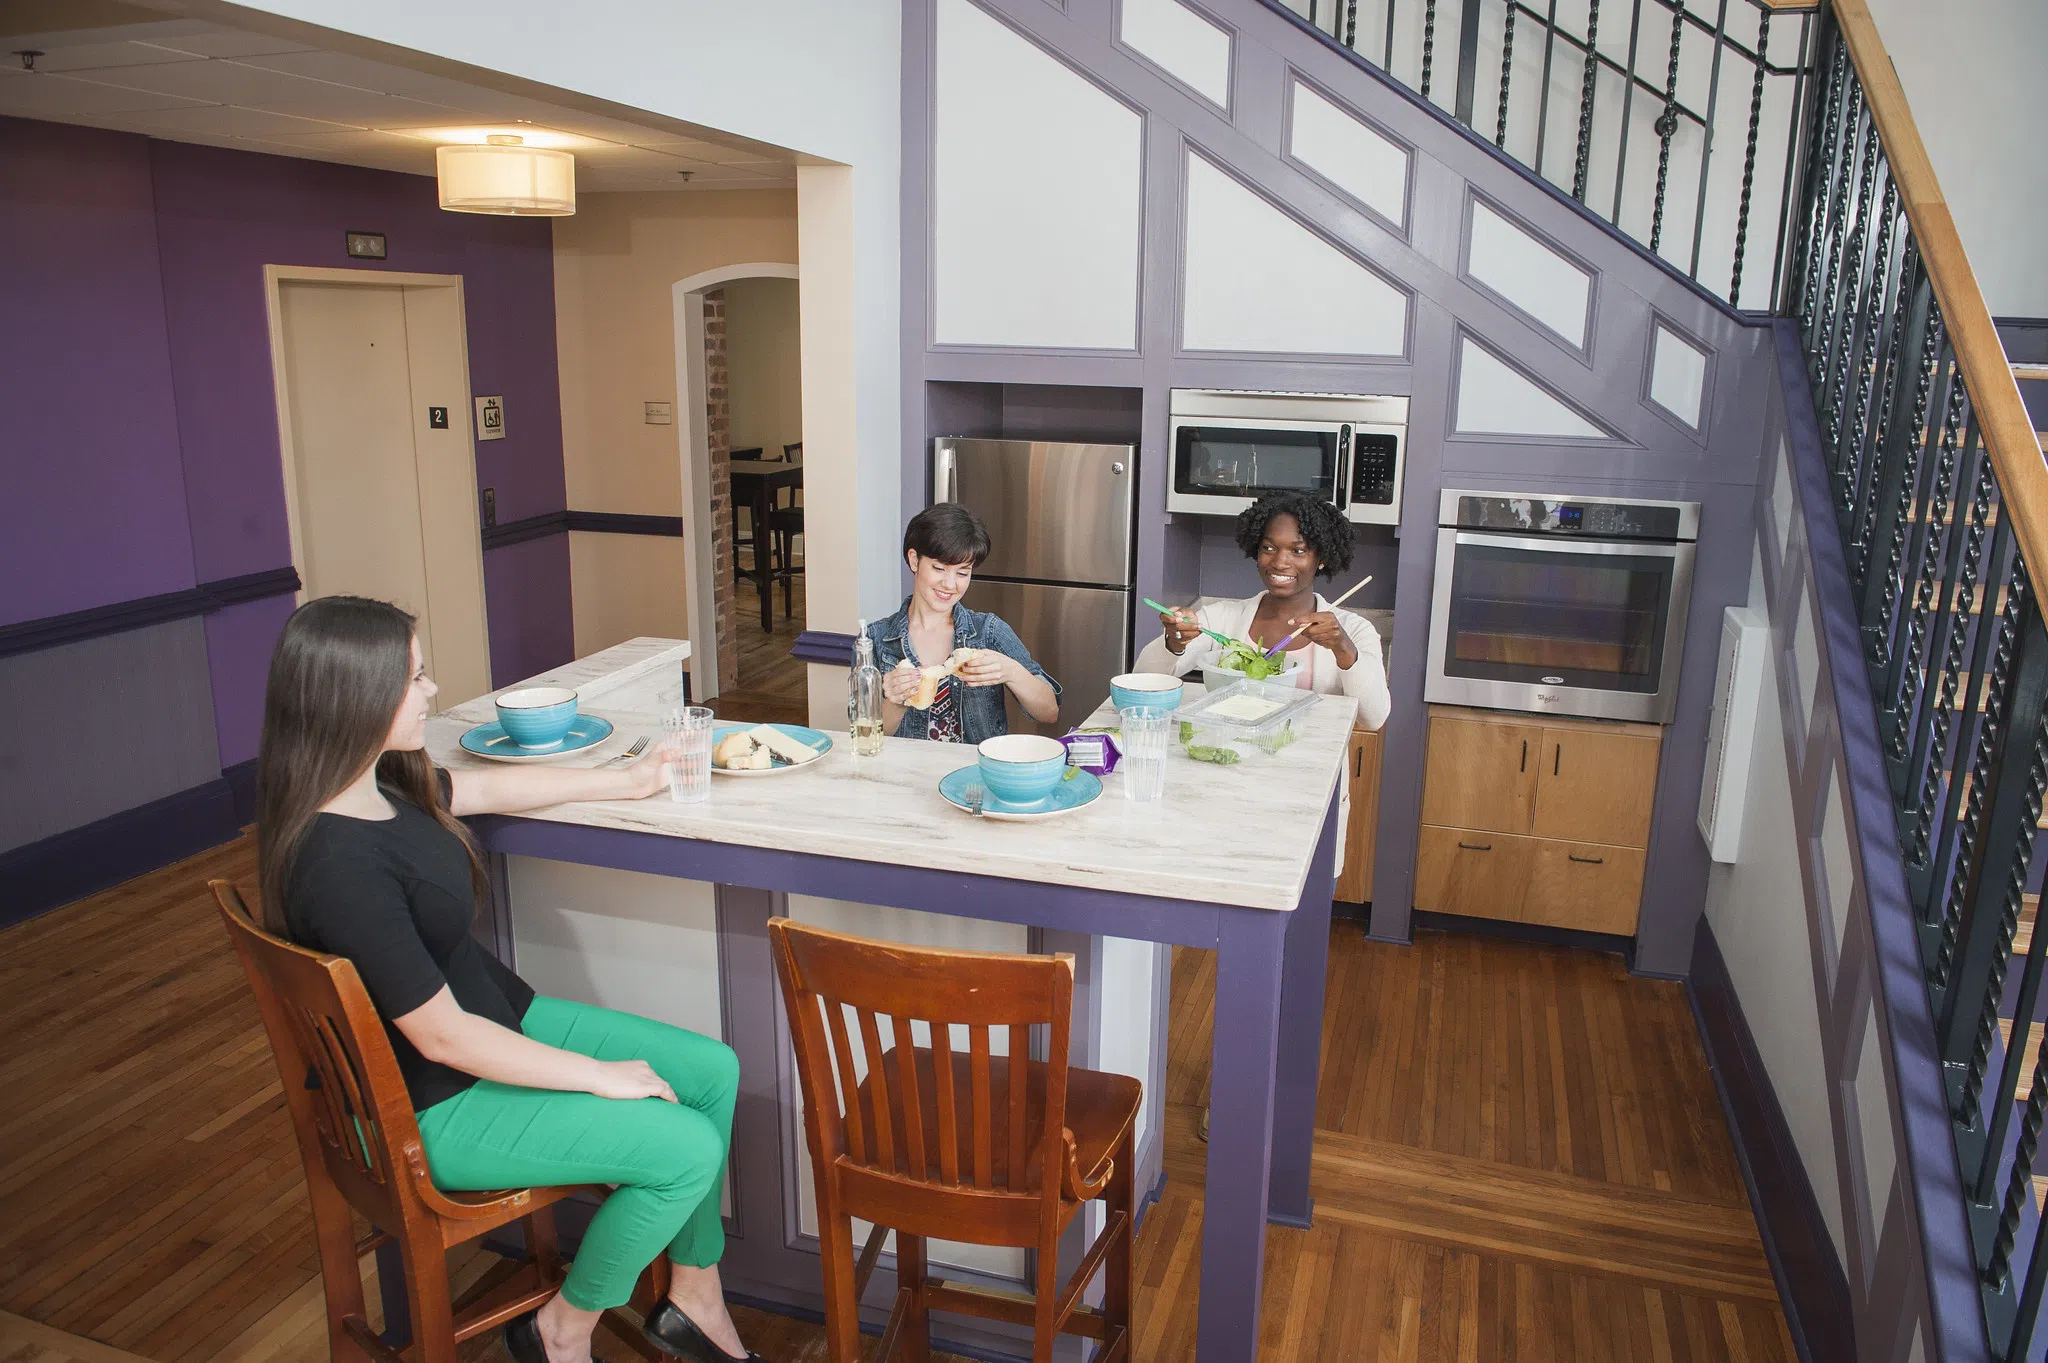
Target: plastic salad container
1245,717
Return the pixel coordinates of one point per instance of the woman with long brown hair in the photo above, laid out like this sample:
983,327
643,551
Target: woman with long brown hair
363,855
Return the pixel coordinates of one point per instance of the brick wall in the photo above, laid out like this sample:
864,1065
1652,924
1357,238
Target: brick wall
718,431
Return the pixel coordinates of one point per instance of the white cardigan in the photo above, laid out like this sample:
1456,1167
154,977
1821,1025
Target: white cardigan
1365,681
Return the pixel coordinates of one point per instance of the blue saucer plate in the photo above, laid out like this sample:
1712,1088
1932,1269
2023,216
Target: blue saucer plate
490,740
1082,788
810,738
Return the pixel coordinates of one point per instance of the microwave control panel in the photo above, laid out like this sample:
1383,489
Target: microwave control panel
1375,458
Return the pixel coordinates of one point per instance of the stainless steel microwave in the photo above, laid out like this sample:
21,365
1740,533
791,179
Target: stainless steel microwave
1231,448
1560,605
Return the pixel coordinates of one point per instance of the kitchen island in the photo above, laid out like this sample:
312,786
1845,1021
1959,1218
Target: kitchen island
662,908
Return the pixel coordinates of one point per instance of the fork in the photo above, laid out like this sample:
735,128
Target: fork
639,746
974,800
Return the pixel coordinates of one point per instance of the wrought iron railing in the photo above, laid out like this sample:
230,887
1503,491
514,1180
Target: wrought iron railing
1674,120
1941,497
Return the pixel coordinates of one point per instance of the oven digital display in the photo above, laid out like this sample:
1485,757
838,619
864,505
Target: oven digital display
1571,517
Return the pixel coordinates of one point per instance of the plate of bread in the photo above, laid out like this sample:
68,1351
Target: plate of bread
765,749
929,677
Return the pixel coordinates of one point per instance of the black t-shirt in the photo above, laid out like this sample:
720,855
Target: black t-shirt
394,897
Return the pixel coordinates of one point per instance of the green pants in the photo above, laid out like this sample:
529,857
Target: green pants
668,1159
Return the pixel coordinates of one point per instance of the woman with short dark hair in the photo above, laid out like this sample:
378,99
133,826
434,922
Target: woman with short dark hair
946,669
362,856
1293,538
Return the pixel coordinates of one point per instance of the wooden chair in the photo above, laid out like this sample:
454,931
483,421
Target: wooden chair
932,1141
786,525
361,1146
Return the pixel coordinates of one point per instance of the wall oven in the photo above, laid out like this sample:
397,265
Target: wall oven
1230,448
1556,605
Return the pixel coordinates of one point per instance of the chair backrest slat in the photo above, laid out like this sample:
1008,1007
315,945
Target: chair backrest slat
984,1120
894,1120
878,1085
849,1081
1020,1055
948,1102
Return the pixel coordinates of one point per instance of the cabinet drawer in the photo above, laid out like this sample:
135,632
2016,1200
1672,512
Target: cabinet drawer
1475,873
1593,887
1480,774
1596,787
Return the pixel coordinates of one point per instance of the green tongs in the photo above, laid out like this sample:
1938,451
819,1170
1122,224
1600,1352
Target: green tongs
1223,639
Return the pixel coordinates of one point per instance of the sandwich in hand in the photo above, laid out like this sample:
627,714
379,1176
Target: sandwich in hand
930,677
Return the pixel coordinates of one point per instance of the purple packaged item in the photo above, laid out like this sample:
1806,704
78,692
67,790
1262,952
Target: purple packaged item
1093,750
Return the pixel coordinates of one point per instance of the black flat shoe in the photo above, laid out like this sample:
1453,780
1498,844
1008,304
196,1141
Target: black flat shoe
523,1341
669,1330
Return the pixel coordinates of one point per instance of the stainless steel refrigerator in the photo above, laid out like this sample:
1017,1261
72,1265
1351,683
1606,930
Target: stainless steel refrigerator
1060,571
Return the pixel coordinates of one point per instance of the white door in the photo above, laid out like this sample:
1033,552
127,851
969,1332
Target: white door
384,503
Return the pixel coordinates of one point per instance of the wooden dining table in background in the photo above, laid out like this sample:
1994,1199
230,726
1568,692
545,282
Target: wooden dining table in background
754,482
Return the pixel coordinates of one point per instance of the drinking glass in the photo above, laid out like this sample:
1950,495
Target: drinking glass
1147,734
689,775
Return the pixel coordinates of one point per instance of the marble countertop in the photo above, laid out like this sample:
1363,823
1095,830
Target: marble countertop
1240,835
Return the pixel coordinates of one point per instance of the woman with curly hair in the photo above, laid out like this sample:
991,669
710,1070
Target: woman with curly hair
1293,538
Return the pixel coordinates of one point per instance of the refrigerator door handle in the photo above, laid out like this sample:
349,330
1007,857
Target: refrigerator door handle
945,474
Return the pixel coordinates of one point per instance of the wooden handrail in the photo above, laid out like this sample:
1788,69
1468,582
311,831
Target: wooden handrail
2002,420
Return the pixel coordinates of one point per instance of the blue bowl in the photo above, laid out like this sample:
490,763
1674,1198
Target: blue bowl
1151,691
537,716
1022,769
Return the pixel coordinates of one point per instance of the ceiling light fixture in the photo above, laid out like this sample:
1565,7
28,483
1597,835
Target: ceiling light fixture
506,176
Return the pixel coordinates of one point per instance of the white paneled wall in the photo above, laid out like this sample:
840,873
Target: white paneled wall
1257,280
1036,195
1494,398
1874,1118
1531,274
1837,864
1180,42
1352,155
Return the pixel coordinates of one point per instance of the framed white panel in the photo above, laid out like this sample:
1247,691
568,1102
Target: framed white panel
1838,863
1037,186
619,939
1180,42
1678,374
1874,1123
1529,273
1781,498
1352,155
1494,398
1257,280
1806,657
926,930
1127,1039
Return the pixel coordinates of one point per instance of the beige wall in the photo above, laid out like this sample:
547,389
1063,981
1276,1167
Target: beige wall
616,262
764,380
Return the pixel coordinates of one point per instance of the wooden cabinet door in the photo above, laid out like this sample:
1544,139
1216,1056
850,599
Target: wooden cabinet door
1596,787
1355,885
1480,774
1589,886
1471,872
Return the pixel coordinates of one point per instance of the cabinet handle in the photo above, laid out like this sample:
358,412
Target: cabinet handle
1525,754
1482,847
1556,756
1586,861
1357,756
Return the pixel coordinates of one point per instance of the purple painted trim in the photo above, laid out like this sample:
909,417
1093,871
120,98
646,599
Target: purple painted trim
1302,986
1485,145
1922,1132
824,646
65,866
29,636
1811,1282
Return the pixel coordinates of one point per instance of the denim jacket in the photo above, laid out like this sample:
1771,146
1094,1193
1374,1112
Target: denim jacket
983,709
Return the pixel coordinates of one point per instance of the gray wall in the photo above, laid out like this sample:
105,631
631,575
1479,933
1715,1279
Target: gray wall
1178,557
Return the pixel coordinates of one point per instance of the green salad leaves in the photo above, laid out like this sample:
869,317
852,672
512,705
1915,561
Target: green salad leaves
1240,656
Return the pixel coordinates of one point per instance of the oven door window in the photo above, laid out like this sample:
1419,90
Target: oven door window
1575,618
1228,461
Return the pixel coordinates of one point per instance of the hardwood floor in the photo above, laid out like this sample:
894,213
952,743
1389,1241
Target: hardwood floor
774,687
1520,1157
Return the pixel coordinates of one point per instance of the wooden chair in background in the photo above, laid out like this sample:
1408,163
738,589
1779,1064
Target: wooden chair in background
361,1146
964,1145
786,526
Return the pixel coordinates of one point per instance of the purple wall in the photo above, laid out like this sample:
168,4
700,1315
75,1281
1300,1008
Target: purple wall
90,437
135,350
